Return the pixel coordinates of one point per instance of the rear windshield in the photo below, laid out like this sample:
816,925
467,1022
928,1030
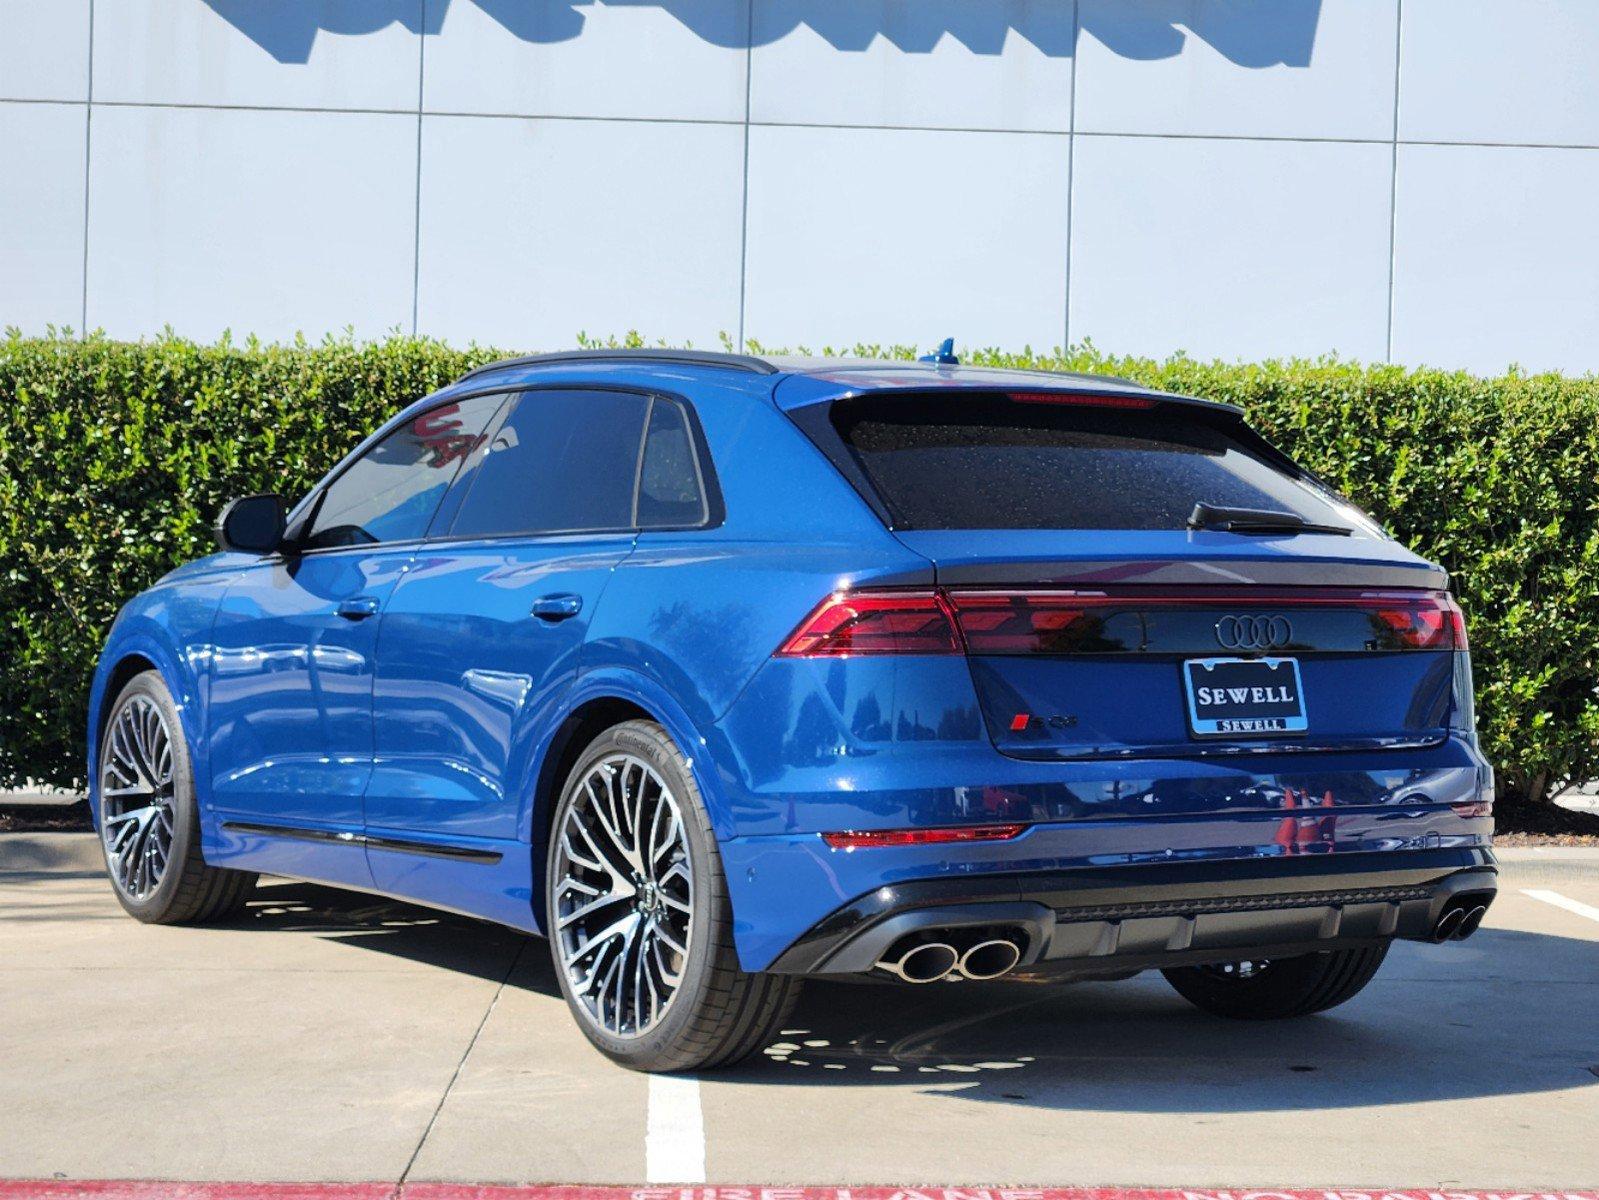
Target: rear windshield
988,462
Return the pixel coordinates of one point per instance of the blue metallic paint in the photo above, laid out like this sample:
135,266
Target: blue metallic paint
468,692
167,627
467,676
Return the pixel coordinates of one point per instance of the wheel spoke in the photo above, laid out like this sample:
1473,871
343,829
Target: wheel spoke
615,929
133,858
125,758
136,738
671,976
642,985
619,1005
591,980
637,814
611,991
593,906
604,813
602,861
678,870
670,940
616,806
595,863
128,814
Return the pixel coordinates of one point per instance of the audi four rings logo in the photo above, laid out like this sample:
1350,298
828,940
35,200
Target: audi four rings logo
1254,633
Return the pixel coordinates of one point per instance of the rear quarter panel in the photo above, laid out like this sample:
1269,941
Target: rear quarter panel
693,615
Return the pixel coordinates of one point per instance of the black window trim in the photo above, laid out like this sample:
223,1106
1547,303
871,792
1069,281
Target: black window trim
704,471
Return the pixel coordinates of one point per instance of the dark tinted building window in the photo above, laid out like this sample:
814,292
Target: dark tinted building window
389,494
670,494
559,462
988,462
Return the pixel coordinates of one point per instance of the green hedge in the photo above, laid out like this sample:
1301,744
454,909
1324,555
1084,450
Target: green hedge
115,457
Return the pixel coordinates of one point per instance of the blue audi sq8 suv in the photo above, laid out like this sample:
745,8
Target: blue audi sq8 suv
721,672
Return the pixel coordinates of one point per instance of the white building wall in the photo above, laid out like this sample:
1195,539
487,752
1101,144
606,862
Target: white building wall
1404,179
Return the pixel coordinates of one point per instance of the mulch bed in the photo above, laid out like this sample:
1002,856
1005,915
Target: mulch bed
44,818
1521,824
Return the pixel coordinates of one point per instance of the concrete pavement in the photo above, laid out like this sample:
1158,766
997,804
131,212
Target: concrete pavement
333,1036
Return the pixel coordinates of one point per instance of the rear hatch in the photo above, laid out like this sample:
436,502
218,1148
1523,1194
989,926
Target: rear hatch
1140,576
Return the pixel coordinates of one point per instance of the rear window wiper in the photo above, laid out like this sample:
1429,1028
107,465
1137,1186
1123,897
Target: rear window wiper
1256,520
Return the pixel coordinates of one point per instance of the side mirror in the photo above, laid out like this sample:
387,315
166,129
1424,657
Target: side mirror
252,525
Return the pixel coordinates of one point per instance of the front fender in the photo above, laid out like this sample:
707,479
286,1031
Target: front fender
170,628
144,640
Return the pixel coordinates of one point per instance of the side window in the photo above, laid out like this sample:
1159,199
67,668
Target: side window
670,494
561,462
390,492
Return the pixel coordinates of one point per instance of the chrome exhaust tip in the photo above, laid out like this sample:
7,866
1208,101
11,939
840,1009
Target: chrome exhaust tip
990,959
927,963
1469,923
1448,924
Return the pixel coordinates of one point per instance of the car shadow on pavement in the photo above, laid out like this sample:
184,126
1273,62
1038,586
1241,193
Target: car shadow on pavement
1507,1013
407,931
1504,1014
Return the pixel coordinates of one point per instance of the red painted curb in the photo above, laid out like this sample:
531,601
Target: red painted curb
113,1189
159,1189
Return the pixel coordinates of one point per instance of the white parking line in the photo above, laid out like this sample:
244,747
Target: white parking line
674,1140
1565,902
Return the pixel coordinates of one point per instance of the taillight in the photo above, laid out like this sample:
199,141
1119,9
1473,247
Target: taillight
938,621
852,623
1017,623
856,839
1430,622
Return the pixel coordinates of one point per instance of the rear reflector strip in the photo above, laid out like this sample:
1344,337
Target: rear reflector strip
853,839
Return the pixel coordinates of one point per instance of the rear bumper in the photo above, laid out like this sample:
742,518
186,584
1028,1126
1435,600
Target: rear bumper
1092,921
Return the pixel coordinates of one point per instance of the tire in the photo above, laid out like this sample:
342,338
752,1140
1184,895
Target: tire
1278,988
149,818
671,892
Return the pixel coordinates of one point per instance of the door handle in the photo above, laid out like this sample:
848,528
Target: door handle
557,607
358,608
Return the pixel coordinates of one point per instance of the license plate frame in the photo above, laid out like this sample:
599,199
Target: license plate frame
1253,716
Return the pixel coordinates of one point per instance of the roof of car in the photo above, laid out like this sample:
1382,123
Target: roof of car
632,357
849,375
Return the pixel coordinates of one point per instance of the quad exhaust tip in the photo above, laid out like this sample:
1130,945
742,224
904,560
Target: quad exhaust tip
929,962
990,959
1447,924
1470,921
1459,921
